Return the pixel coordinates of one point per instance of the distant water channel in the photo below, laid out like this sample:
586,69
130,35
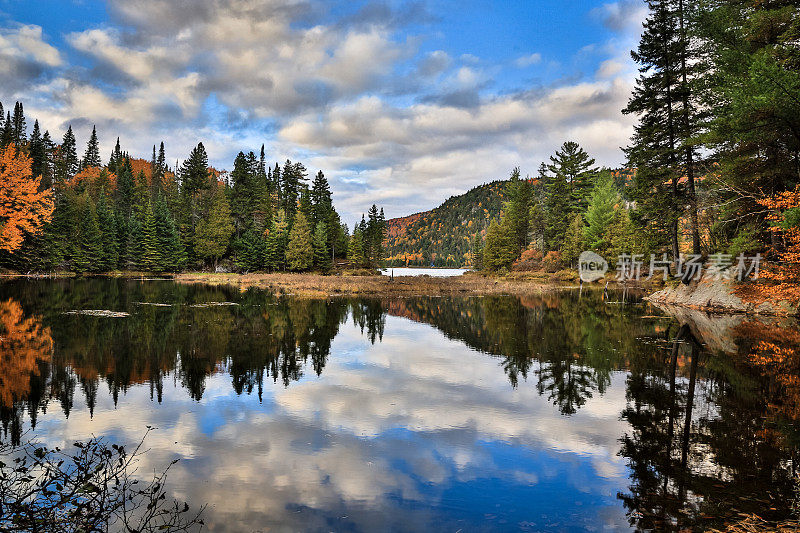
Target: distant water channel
561,412
432,272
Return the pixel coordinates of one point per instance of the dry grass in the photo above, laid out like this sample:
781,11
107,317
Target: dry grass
315,285
754,524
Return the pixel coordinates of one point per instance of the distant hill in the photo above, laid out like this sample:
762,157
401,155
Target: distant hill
442,235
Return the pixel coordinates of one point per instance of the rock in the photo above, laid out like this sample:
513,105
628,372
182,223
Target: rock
717,295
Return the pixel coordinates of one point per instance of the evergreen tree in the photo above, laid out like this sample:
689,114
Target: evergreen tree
92,156
150,258
322,259
213,232
292,179
249,251
499,250
108,234
89,251
621,235
655,145
557,211
38,153
67,164
173,253
574,241
7,135
517,210
600,213
242,193
116,160
752,77
572,164
194,177
321,198
48,168
355,249
275,248
19,131
476,252
126,185
299,250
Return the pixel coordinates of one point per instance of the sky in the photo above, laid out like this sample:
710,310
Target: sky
399,103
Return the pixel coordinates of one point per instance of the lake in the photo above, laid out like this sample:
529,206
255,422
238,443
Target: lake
561,412
432,272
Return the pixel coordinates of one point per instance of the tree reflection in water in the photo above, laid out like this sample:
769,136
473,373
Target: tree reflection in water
710,434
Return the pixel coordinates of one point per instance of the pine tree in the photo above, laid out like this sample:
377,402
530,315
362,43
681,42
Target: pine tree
654,150
48,168
108,234
92,156
249,251
577,169
126,186
7,135
89,251
496,247
116,160
242,193
194,177
38,153
517,210
600,213
213,232
67,164
275,246
299,250
355,249
322,259
321,198
150,253
173,253
557,211
574,241
19,131
476,252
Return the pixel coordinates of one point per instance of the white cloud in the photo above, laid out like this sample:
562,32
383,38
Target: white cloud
528,60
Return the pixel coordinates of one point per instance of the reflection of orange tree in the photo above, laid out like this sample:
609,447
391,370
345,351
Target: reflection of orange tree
23,343
777,355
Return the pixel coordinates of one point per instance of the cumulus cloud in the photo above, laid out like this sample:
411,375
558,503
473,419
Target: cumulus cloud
352,95
25,56
528,60
623,15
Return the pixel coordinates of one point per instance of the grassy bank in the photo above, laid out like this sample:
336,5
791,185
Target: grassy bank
322,286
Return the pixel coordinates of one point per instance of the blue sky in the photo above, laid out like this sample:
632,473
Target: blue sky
403,103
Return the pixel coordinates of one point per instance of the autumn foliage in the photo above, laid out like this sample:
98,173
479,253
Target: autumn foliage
23,343
782,278
23,208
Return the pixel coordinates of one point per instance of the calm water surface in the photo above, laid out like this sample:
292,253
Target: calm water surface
554,413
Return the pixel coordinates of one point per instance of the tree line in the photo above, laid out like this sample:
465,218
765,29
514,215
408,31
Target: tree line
714,159
62,212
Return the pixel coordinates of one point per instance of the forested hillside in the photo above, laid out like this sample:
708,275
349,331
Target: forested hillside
442,236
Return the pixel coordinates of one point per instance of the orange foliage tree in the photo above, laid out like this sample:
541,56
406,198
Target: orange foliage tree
23,208
23,343
784,215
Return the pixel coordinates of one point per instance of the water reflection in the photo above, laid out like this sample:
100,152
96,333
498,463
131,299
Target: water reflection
558,412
